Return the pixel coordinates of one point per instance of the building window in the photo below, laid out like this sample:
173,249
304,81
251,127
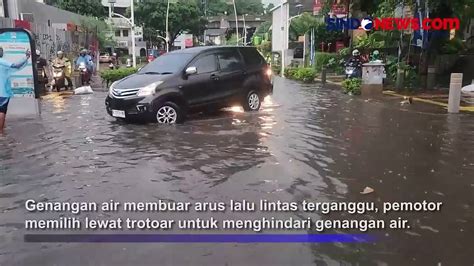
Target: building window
117,33
125,33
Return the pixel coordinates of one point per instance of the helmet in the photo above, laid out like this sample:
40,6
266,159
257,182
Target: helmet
84,51
355,52
376,52
60,53
38,53
114,54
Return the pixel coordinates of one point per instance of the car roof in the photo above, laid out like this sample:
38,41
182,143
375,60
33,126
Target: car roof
199,49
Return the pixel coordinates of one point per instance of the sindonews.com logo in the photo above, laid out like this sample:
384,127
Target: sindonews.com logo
392,23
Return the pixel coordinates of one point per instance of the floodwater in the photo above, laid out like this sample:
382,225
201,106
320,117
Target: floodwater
308,143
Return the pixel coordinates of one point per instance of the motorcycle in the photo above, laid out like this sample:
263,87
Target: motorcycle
84,74
59,77
353,69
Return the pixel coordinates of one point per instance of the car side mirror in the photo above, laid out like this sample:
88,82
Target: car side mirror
191,70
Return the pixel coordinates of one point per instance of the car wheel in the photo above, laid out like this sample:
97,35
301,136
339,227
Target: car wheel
168,113
252,101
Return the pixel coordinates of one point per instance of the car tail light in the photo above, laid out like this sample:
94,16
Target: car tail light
268,72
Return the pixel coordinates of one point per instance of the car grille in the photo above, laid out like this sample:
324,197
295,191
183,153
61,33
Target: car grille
124,93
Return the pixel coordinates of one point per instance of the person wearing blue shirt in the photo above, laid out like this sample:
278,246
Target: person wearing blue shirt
6,69
87,60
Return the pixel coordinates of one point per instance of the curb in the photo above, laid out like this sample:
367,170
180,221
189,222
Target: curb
444,105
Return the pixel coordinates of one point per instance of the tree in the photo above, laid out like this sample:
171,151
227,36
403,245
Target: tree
269,7
184,16
101,28
91,8
220,7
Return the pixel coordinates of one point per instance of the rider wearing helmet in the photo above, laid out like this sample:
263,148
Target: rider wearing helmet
62,60
87,61
41,66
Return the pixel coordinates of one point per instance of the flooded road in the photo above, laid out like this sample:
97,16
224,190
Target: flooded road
308,143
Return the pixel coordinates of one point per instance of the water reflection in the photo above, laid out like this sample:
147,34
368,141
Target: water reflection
307,143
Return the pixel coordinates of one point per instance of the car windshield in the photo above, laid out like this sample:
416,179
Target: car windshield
167,64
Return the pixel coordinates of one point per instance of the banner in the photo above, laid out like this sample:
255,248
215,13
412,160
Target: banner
19,76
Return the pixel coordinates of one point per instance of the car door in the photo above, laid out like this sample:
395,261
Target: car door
231,74
199,88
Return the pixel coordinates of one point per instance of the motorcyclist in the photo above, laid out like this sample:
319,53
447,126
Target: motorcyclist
355,57
41,66
62,60
114,60
87,60
355,61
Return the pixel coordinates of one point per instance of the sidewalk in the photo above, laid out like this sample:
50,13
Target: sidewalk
436,97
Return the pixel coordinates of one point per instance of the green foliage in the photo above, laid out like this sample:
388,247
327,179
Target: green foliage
411,77
276,69
302,24
265,48
372,41
352,86
183,16
305,74
263,28
233,40
220,7
452,46
345,51
112,75
325,59
101,28
290,72
91,8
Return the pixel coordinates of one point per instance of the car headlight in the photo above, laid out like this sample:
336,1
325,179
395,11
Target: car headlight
149,89
112,86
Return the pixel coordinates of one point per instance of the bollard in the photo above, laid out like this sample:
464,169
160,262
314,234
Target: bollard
431,78
455,86
323,75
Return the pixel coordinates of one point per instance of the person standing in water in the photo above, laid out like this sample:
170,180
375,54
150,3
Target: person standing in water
6,69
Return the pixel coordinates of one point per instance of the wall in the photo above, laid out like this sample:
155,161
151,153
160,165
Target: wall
43,13
50,39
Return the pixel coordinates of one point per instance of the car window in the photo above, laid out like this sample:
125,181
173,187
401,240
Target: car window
252,57
168,63
229,61
206,64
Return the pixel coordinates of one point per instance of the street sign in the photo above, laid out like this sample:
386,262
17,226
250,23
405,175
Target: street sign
317,6
339,9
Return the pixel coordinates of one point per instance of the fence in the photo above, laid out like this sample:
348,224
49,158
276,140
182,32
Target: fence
50,39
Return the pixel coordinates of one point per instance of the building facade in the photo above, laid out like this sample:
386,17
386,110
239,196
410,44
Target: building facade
122,30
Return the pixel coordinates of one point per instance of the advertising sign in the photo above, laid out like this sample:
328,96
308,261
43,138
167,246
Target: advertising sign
317,6
17,73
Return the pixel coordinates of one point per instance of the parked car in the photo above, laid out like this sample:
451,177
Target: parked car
105,58
192,80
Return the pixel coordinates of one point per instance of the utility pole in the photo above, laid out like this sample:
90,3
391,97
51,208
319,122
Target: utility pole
167,29
132,10
236,22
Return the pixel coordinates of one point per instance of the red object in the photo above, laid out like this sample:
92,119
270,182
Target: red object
339,9
339,45
317,6
22,24
150,58
188,43
71,27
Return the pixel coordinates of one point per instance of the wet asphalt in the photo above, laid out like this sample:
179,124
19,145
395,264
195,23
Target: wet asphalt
307,143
